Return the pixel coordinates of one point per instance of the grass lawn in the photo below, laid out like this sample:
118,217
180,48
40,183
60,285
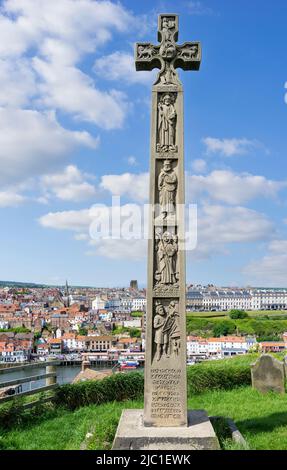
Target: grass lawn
225,314
262,419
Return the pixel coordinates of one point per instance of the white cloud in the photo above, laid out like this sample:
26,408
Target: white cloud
81,236
10,199
135,250
32,143
199,165
230,147
131,185
78,96
271,269
196,7
232,188
42,44
77,221
218,226
120,66
85,23
132,161
17,82
68,185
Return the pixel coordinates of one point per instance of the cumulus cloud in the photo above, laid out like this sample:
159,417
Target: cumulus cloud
77,221
68,185
120,66
10,199
271,269
232,188
18,83
32,143
78,95
219,226
131,185
84,23
230,147
61,34
135,250
199,165
42,47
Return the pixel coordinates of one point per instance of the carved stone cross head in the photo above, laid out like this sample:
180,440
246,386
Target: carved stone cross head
167,56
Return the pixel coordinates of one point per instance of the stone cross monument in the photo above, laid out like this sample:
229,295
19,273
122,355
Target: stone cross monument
165,418
165,364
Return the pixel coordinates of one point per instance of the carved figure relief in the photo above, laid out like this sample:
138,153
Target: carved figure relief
189,51
166,123
145,51
166,330
167,48
166,251
167,187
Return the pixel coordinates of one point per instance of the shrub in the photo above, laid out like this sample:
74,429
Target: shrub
223,328
237,314
222,376
117,387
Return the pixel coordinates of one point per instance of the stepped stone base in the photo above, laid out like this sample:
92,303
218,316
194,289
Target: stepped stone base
133,435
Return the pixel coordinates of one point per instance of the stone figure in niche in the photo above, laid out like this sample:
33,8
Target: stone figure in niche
167,247
168,26
166,124
167,48
145,52
173,328
166,330
189,51
160,338
168,75
167,186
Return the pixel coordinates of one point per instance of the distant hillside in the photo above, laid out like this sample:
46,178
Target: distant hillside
21,285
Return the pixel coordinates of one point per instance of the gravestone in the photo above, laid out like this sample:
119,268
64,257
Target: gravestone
165,422
268,374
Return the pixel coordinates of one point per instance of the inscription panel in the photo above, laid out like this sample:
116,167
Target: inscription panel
166,401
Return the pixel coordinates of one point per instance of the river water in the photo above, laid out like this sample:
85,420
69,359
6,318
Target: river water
65,374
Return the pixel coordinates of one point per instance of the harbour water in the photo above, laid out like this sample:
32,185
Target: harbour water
65,374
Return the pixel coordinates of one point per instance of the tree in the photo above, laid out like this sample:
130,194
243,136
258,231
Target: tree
237,314
82,331
223,328
135,333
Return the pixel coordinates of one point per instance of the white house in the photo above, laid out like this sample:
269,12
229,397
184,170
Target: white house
139,303
98,303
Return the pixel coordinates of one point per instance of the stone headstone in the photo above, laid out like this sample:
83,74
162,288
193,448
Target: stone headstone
268,374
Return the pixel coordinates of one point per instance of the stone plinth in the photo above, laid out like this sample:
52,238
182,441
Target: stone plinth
133,435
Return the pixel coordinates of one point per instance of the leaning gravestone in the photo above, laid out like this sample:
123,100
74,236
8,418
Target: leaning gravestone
165,422
268,374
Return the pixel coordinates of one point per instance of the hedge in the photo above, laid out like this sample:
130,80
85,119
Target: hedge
223,376
117,387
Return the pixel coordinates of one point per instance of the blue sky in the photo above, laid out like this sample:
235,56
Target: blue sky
75,116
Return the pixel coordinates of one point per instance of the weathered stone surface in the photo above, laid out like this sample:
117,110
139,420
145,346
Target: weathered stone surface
268,374
165,364
132,434
165,406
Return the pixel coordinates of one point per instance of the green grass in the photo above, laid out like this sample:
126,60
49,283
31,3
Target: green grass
255,325
253,313
221,387
262,419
